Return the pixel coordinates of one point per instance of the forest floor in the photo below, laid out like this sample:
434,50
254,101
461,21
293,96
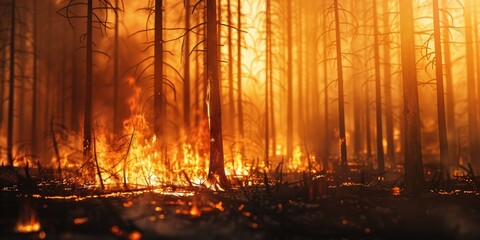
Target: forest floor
296,209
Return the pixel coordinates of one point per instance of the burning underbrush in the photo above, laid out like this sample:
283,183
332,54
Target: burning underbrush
138,159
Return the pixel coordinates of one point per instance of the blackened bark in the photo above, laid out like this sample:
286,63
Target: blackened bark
378,92
186,70
471,95
88,118
158,97
216,171
11,88
388,86
289,81
414,177
442,122
117,126
341,103
241,129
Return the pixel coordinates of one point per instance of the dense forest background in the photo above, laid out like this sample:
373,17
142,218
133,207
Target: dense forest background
308,85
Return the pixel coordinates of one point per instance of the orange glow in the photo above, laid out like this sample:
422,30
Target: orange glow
28,221
300,56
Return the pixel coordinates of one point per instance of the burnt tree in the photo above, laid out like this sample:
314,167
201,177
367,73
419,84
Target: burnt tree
158,97
414,178
11,88
216,170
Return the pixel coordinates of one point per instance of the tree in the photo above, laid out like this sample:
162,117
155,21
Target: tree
231,113
388,85
341,101
414,178
186,69
34,82
158,96
450,106
473,144
289,81
442,123
241,130
268,62
116,80
11,88
378,92
216,170
88,117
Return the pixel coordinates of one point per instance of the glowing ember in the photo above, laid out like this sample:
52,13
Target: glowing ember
27,221
80,221
395,191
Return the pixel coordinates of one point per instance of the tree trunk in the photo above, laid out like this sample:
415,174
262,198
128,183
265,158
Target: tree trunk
186,69
341,103
74,90
388,86
300,80
289,82
158,97
326,129
378,92
357,118
471,96
450,106
368,130
442,123
88,118
117,126
216,171
273,132
198,75
231,100
2,85
34,83
11,89
414,178
241,130
268,62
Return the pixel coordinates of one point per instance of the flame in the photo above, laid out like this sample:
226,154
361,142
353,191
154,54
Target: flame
396,191
27,221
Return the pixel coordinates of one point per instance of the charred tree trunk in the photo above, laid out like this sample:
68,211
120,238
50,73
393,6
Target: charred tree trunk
471,95
198,75
21,81
357,119
442,123
450,106
475,30
34,83
3,78
326,129
289,81
186,69
216,171
268,62
116,81
414,178
378,92
158,97
270,90
11,89
368,132
241,129
300,80
388,86
231,100
88,118
341,103
74,90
